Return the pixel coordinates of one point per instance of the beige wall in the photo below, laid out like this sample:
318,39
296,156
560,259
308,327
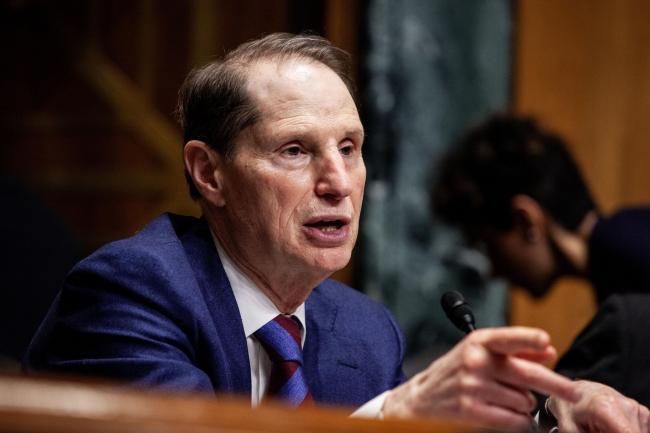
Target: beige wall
583,68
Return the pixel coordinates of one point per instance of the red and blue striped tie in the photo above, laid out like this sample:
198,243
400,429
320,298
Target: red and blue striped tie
281,340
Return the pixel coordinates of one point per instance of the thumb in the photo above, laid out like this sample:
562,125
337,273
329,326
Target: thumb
559,409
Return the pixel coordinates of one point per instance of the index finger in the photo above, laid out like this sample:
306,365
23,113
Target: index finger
513,340
525,374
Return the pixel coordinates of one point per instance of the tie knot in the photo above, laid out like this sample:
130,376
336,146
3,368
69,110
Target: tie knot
281,339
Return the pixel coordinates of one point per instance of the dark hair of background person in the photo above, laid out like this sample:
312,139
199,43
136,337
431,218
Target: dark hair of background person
213,104
499,159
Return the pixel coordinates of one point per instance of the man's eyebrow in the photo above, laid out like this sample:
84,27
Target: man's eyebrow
355,131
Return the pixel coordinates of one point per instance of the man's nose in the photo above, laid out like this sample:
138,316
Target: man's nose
333,179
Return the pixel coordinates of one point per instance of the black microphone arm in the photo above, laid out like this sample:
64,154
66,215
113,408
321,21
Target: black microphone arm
458,311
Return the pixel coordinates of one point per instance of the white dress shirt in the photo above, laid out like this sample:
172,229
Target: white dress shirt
256,310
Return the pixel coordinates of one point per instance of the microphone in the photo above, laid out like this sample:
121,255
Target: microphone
458,311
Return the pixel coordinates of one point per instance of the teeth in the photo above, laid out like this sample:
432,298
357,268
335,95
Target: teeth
328,228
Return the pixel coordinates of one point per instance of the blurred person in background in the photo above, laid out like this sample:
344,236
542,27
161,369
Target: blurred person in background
513,187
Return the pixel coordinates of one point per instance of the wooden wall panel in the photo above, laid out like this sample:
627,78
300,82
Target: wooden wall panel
583,69
90,91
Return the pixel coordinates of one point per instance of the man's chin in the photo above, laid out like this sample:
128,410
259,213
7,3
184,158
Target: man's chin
332,262
332,268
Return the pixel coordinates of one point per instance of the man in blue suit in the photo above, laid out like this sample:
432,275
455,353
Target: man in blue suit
239,301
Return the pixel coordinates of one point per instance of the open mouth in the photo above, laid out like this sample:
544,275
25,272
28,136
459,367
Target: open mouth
327,226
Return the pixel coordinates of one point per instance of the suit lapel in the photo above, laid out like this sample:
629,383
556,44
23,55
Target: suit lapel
332,365
234,369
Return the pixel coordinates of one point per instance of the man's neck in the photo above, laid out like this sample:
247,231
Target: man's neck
287,293
574,245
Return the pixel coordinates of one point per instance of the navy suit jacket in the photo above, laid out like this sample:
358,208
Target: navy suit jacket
157,310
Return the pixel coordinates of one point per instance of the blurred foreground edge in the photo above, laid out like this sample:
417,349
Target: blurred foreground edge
37,405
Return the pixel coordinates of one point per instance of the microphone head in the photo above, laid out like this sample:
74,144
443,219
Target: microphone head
458,311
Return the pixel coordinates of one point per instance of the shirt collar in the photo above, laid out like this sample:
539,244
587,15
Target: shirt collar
255,308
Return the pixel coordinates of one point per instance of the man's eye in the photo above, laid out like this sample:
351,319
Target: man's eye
292,151
347,150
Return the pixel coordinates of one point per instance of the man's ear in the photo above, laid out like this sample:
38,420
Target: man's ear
529,218
205,167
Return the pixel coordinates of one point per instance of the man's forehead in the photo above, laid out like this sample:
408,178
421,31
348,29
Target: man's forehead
268,67
277,79
286,89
